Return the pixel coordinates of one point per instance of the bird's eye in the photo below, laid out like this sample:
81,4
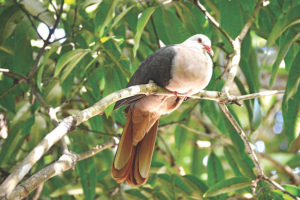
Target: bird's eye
199,40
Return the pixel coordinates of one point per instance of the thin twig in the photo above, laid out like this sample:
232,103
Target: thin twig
284,168
251,152
12,88
228,57
155,31
172,159
53,6
30,20
279,187
12,74
243,136
46,42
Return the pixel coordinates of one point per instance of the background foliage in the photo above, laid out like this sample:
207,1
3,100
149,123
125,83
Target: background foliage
74,55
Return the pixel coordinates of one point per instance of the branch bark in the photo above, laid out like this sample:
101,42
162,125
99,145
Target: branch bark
65,162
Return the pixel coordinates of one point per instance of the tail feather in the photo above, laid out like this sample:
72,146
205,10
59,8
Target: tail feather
143,157
124,156
132,163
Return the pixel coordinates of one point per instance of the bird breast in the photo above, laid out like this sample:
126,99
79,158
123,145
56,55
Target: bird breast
191,69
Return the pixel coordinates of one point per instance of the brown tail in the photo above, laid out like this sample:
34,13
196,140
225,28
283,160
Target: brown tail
132,162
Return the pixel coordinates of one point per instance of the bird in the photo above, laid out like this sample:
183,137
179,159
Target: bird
184,68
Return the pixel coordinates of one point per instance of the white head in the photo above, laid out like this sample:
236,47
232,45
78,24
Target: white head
202,40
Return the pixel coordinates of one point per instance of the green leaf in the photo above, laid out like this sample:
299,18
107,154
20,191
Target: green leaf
179,183
240,160
10,17
215,170
146,14
135,194
37,8
249,65
291,103
289,39
228,185
121,15
196,185
104,16
168,26
68,62
232,161
292,189
23,59
243,91
86,170
7,102
256,118
285,20
175,184
180,138
229,11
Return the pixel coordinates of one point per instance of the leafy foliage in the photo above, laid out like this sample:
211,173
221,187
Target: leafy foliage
73,55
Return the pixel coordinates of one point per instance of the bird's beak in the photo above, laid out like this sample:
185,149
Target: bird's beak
209,50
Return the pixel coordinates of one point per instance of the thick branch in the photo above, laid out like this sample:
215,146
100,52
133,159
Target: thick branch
65,162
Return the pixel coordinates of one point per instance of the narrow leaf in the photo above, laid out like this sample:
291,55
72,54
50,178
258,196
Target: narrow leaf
195,184
69,61
105,14
121,15
215,170
285,20
231,160
291,103
291,36
228,185
146,14
256,118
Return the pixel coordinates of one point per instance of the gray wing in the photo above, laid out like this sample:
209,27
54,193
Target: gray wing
157,67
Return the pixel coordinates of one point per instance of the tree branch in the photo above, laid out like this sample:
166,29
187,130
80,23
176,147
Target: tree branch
250,151
284,168
65,162
243,136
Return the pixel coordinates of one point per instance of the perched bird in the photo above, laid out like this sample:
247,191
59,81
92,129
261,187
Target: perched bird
184,68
